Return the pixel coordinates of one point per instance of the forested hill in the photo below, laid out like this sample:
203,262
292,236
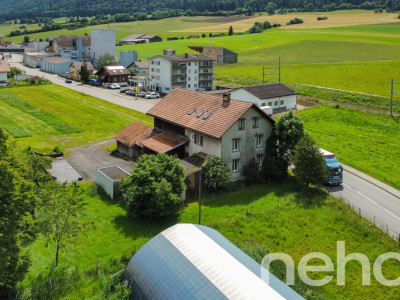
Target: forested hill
13,9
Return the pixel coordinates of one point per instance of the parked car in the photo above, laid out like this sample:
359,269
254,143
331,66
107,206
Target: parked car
125,90
95,82
113,86
117,86
68,81
131,92
142,94
108,85
152,95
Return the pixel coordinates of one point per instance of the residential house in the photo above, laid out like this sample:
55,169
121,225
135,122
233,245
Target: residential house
219,55
190,71
114,74
140,68
75,69
189,123
4,69
140,38
55,65
276,95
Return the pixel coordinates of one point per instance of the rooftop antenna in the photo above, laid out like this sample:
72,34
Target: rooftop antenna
108,21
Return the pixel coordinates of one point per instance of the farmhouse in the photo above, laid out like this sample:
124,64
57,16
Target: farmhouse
113,74
187,123
141,68
75,46
75,69
213,268
4,69
140,38
276,95
218,54
190,71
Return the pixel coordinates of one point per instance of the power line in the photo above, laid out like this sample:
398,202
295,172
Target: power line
273,74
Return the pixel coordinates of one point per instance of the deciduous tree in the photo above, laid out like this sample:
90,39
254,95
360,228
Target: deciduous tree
16,202
106,60
309,163
84,73
155,187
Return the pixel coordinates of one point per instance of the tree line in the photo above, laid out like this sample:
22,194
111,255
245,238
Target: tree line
154,9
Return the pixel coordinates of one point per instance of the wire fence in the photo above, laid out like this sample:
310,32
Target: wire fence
376,221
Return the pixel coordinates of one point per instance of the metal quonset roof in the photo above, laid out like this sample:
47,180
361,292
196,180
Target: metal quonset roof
188,261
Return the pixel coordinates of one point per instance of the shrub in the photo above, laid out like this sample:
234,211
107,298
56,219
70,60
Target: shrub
322,18
251,172
217,174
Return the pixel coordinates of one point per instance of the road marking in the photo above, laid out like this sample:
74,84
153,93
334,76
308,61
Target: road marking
367,197
392,214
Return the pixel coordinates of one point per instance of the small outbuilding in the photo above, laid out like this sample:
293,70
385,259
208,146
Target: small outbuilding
113,74
108,178
189,261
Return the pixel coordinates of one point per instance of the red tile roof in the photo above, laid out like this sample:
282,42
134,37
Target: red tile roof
164,142
135,134
4,66
78,65
175,108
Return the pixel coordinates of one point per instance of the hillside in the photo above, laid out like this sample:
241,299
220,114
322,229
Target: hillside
71,8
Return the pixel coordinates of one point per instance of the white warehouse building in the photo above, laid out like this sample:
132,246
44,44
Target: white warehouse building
189,71
276,95
103,41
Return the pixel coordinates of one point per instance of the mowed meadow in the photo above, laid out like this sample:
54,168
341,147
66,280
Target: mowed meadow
48,116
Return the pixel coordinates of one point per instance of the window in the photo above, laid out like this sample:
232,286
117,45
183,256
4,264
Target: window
188,86
195,85
260,159
235,165
263,104
195,77
198,139
189,78
282,102
276,103
189,64
195,71
269,103
259,140
255,122
189,71
235,145
241,124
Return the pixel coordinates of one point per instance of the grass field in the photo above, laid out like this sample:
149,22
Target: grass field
367,142
292,228
48,116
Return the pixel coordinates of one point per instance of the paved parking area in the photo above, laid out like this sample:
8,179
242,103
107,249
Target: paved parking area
87,159
63,171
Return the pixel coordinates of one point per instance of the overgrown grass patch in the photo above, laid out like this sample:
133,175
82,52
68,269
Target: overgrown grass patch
366,141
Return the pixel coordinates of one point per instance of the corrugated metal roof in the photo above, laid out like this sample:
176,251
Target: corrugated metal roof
188,261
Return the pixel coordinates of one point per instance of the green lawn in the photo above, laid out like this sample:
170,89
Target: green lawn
48,116
367,142
292,228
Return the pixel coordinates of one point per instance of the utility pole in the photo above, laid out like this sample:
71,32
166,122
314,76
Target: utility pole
273,74
391,96
200,197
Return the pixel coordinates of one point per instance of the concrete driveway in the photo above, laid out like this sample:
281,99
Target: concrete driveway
87,158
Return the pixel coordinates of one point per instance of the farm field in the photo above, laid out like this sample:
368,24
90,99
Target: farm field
367,142
292,228
44,117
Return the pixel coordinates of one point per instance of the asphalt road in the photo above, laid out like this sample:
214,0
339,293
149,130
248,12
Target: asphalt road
113,96
376,203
